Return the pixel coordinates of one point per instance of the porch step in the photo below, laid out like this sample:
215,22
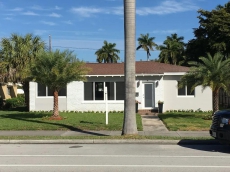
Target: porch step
148,111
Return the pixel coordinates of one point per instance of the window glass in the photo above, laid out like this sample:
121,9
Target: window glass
88,90
120,90
9,90
50,92
181,91
186,91
189,92
41,90
110,89
62,92
99,91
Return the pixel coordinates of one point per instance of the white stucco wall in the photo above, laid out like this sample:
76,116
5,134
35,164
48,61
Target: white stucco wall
165,89
159,91
201,101
43,103
76,102
32,96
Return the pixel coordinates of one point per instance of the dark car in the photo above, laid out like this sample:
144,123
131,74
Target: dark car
220,128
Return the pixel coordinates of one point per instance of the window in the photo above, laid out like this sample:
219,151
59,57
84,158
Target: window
9,90
120,91
185,91
44,91
95,90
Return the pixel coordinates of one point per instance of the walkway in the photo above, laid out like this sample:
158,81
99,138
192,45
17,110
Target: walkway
151,122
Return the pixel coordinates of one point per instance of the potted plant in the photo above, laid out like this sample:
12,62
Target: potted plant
160,106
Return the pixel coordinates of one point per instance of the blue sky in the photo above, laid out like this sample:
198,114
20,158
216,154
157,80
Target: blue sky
83,25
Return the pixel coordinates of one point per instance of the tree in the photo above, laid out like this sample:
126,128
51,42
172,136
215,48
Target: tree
212,72
108,53
129,124
172,49
57,69
18,53
146,43
213,34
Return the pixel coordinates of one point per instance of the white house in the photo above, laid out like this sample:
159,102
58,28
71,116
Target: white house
154,81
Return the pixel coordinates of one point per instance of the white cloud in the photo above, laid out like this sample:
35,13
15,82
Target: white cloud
167,7
48,23
67,22
91,11
17,9
40,32
54,15
8,18
86,11
57,7
164,31
37,7
100,30
30,13
118,10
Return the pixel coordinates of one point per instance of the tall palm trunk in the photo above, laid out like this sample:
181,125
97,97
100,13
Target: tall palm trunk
215,96
129,124
147,55
55,108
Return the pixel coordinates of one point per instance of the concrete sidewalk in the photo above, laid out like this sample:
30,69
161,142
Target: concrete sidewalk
179,134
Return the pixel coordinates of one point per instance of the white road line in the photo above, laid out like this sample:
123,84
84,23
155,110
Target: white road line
156,166
134,156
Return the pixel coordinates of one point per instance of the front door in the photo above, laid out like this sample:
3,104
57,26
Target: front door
149,95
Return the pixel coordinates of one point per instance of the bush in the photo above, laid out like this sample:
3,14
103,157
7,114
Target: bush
14,102
1,102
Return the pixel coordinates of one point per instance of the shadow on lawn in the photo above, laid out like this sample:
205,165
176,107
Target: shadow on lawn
25,116
165,116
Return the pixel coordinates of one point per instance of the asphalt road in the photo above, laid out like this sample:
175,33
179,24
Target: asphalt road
114,158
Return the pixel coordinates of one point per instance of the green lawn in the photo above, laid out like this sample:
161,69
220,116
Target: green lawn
182,121
15,120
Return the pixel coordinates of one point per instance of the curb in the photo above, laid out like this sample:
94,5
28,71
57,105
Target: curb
113,141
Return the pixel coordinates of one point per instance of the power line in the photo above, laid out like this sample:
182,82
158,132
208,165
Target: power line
84,48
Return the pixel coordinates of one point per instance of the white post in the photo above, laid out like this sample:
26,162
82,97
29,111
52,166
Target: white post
106,106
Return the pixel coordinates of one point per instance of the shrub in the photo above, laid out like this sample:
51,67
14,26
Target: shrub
1,102
14,102
207,117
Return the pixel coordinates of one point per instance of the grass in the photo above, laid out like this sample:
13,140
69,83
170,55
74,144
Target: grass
18,120
15,120
182,121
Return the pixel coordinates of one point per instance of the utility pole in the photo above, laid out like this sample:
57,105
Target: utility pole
49,43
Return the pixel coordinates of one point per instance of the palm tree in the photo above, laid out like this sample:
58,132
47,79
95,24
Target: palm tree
55,70
19,52
108,53
146,43
213,72
129,124
172,49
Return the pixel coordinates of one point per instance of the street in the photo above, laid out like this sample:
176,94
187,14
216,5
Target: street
114,158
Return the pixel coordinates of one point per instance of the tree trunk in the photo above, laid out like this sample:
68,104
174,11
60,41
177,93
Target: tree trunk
215,96
55,108
26,87
147,56
129,124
